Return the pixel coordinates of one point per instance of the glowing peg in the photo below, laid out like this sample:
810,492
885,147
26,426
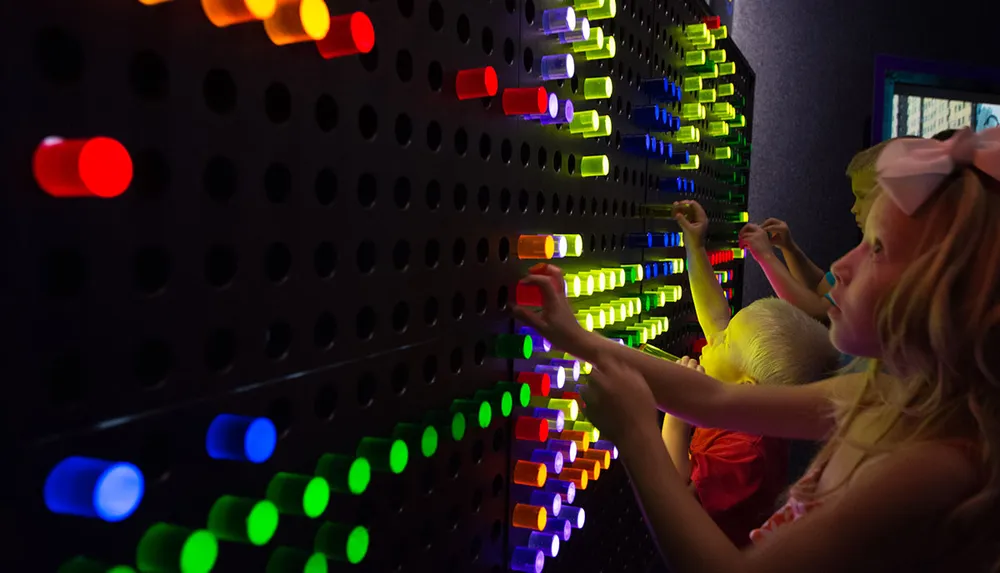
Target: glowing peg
603,128
706,96
695,58
587,4
595,42
88,487
581,34
423,437
692,111
560,527
739,121
606,446
447,423
527,560
294,560
535,247
606,52
568,448
608,11
350,34
166,547
344,474
579,477
592,467
583,121
538,342
575,515
84,565
557,374
529,516
586,320
96,167
727,69
553,461
574,244
244,520
513,346
721,153
241,438
695,30
559,20
384,455
564,112
537,382
565,489
552,502
224,13
525,101
531,429
705,43
547,543
295,494
597,88
718,129
584,426
529,473
717,56
725,90
343,543
721,33
708,71
476,83
477,410
298,21
712,22
570,365
519,391
594,166
557,67
693,163
693,84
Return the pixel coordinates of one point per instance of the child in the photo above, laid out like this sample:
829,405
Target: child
737,476
909,479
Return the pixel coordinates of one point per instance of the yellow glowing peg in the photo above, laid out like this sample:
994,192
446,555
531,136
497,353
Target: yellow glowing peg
696,30
583,121
686,134
706,96
721,33
707,43
298,21
725,90
610,278
727,69
600,319
596,41
691,111
224,13
610,313
594,166
573,286
718,128
607,51
609,10
717,56
587,4
692,84
723,153
640,331
597,88
600,280
672,292
586,320
574,244
695,58
694,162
588,284
603,128
738,253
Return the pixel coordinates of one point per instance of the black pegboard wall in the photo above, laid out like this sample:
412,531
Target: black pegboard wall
330,244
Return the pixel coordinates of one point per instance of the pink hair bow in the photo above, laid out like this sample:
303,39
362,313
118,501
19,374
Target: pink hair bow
909,170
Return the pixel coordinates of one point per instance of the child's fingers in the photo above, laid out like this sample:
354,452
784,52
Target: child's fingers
528,317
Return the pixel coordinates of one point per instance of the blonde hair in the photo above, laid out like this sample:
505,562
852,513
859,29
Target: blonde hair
787,346
939,330
862,165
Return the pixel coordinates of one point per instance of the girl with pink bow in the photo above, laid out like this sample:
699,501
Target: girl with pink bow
909,478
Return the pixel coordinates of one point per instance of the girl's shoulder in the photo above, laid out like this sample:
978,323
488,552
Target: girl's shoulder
940,473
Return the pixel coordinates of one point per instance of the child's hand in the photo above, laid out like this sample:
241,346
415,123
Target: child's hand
777,230
755,239
691,363
620,403
556,321
693,221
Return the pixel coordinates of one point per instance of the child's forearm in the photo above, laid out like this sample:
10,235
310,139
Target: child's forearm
676,434
787,288
802,268
709,301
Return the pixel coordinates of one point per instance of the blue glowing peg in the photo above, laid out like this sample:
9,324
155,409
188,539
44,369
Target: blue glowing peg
672,184
569,365
658,88
659,239
668,268
654,270
567,447
553,461
668,150
547,543
647,116
556,418
527,560
638,144
677,122
551,501
241,438
575,515
557,375
88,487
675,239
648,271
565,489
557,67
639,240
680,158
564,113
605,445
561,527
558,20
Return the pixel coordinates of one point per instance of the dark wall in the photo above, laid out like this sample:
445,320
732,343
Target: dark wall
815,65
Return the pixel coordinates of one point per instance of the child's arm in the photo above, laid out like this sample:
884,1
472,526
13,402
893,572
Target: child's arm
676,435
786,287
803,270
709,301
887,519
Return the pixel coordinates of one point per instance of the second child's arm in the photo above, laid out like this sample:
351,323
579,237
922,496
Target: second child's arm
709,301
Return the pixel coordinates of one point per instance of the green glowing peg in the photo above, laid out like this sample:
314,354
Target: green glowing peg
295,494
512,346
654,351
520,392
345,543
289,560
385,455
477,410
422,437
171,548
345,474
709,71
448,424
243,520
85,565
499,400
739,121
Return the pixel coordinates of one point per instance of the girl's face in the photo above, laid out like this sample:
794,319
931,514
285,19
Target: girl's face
864,197
867,274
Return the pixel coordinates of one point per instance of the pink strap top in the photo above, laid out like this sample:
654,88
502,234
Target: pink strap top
793,510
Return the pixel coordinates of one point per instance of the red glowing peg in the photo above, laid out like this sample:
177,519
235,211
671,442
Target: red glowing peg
538,382
96,167
528,295
476,83
349,34
525,101
712,22
531,429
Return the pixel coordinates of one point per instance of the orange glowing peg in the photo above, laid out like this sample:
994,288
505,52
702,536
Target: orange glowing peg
529,517
224,13
603,457
578,476
535,247
582,439
592,467
298,21
530,474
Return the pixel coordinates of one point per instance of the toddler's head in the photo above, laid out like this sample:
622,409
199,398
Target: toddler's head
770,342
